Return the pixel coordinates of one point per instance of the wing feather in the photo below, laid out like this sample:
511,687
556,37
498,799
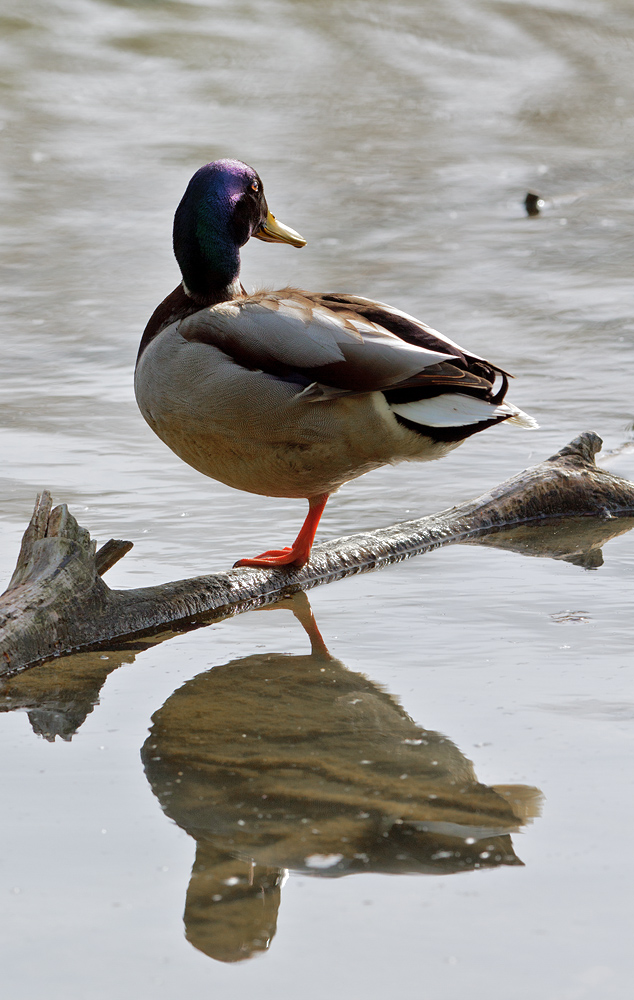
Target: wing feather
300,336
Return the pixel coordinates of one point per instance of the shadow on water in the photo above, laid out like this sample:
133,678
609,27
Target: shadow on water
278,762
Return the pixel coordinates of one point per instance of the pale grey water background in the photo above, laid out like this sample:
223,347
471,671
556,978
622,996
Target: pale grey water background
399,139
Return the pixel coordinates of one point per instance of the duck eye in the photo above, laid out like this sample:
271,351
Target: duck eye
255,186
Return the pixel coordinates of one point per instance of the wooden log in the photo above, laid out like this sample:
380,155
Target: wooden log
57,602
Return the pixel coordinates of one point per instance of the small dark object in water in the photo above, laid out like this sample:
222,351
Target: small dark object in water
533,203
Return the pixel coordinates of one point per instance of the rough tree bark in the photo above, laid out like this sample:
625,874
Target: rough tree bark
57,601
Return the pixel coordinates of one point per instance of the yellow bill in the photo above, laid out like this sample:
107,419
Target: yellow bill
276,232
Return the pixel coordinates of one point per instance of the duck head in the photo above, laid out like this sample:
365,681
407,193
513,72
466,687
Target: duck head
223,206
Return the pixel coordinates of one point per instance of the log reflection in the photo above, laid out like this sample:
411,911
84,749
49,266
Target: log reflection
60,695
578,540
275,762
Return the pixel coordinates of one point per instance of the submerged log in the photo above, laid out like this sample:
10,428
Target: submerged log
57,602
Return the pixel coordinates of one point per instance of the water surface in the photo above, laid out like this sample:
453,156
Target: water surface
400,140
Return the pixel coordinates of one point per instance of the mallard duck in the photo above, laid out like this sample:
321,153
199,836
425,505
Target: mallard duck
293,393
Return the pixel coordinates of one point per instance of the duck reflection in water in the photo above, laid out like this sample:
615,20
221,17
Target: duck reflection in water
275,762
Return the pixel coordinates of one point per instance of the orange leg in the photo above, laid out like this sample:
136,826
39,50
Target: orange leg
299,552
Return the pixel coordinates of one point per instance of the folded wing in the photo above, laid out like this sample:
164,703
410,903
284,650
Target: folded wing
331,345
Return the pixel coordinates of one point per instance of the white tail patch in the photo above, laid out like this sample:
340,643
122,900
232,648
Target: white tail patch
453,409
519,418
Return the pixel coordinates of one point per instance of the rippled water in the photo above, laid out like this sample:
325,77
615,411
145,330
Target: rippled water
400,140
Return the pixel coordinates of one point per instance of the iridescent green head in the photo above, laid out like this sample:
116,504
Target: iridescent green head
223,206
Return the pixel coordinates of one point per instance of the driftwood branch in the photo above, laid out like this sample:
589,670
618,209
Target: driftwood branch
57,602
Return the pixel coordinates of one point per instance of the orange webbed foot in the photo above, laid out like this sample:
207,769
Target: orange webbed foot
298,554
275,557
